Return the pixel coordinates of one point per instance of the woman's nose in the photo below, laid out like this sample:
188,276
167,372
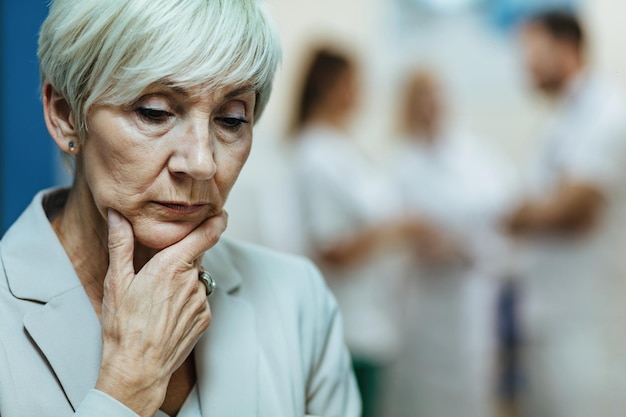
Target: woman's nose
194,153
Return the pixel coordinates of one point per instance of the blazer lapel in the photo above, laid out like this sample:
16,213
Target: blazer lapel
227,354
67,332
62,322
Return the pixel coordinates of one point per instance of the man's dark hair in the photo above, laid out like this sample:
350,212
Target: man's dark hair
562,26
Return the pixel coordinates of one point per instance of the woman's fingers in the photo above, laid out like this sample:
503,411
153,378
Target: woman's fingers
198,315
201,239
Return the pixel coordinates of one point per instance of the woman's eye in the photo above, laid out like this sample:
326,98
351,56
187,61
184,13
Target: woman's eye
154,115
232,123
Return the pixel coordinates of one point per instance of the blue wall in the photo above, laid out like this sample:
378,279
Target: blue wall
27,154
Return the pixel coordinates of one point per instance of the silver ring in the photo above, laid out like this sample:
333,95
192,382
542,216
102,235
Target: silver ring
208,282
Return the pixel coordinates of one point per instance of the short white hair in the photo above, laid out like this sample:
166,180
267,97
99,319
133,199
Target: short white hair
110,51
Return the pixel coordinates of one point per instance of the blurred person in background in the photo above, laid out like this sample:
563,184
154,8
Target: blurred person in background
351,218
571,227
462,187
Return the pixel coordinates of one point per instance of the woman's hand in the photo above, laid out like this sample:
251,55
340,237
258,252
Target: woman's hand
151,320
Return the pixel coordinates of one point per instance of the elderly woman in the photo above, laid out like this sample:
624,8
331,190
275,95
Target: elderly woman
104,286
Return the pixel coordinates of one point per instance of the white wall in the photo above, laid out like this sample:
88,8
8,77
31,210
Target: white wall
605,19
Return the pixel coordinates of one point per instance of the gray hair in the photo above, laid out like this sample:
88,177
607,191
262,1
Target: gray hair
110,51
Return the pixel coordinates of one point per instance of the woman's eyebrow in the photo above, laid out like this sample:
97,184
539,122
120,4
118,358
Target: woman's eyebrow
164,86
239,91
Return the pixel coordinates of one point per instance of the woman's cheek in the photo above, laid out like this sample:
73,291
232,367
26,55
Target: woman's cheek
226,182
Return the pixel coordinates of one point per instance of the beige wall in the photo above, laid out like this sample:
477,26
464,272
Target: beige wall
301,23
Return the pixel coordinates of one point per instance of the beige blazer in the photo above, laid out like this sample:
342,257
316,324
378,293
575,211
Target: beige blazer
274,348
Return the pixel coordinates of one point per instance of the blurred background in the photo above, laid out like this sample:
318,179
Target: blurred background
461,329
471,44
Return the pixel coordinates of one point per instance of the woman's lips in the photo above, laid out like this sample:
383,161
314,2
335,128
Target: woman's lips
181,207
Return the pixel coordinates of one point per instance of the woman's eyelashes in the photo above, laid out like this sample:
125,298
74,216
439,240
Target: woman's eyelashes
160,116
154,115
232,115
232,123
160,111
155,108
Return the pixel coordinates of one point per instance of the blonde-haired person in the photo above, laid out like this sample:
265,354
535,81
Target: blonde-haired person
117,296
462,187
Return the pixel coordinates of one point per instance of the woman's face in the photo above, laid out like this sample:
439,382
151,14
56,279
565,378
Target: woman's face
350,84
424,108
167,162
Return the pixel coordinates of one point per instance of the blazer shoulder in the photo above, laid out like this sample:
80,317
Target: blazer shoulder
264,260
261,269
254,249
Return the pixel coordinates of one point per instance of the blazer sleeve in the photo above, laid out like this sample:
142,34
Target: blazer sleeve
99,404
331,386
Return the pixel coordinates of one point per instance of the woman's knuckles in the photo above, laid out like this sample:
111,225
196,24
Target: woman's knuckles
205,320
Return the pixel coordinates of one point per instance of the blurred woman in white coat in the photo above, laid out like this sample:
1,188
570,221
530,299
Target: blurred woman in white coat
351,218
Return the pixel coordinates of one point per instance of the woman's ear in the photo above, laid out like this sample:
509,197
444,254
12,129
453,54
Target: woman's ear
58,116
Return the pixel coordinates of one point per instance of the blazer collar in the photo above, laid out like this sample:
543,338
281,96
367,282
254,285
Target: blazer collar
36,265
220,262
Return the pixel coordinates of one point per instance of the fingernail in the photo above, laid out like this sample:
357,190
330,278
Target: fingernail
115,219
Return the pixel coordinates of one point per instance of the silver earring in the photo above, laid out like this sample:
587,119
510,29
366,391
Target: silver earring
72,145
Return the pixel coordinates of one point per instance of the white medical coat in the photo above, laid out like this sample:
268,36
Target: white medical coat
462,187
341,193
575,287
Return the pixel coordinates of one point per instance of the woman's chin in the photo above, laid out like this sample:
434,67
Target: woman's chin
162,235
